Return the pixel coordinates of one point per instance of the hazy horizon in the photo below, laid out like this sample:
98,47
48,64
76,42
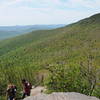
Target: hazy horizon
30,25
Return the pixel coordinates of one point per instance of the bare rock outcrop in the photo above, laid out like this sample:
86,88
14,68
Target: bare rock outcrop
61,96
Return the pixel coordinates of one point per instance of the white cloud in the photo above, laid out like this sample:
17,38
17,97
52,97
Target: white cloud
85,3
46,11
54,3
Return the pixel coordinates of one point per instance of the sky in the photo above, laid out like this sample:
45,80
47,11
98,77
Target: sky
30,12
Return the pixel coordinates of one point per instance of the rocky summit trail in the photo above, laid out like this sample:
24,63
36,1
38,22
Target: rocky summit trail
36,94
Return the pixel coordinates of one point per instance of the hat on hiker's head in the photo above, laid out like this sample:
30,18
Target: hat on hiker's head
9,85
23,80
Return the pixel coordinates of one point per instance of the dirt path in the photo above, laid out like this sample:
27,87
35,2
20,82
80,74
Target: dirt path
37,90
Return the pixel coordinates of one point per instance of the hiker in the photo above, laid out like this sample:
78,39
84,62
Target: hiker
26,88
11,92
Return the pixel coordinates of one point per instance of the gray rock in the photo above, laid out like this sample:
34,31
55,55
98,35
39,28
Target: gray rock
61,96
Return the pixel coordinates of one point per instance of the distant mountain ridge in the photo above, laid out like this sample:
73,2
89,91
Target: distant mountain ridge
12,31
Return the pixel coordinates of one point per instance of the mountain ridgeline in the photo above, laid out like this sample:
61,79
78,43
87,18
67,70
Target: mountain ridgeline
68,58
12,31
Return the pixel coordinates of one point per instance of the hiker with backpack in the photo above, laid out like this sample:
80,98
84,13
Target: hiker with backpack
26,88
11,92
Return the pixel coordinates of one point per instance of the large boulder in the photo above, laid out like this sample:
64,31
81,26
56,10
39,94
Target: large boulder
61,96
